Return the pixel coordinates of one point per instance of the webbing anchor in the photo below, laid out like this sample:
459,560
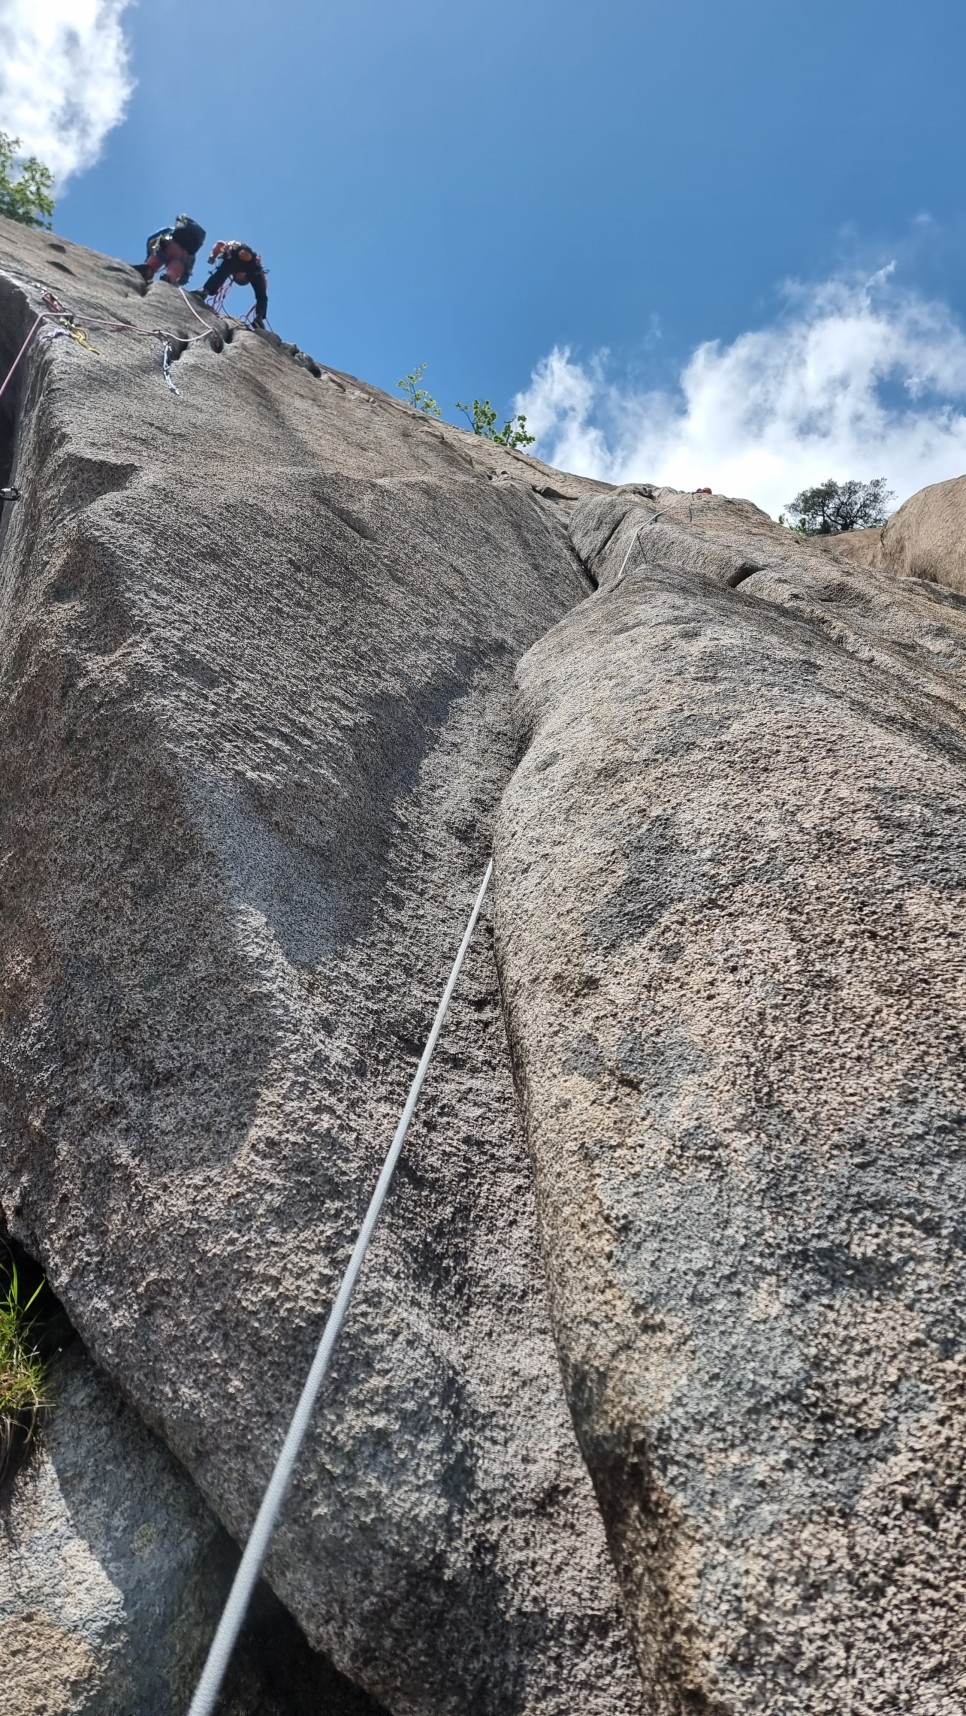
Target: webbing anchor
9,495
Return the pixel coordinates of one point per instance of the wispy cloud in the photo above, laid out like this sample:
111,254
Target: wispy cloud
854,379
64,77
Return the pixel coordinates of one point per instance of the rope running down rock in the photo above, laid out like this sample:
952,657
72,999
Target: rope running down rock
60,315
7,378
229,1626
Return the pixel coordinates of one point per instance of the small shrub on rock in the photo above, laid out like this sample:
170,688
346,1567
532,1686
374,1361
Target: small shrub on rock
482,420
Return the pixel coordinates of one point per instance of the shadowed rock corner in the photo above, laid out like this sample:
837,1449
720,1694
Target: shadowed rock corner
113,1574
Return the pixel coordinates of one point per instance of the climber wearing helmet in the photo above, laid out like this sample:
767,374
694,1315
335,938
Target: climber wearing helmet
239,262
172,251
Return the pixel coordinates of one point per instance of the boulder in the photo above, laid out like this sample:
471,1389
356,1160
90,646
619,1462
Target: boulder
257,636
113,1574
926,537
729,919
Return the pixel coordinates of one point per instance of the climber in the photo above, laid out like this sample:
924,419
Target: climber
172,251
238,262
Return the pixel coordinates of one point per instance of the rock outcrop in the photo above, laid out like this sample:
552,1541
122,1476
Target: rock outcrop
730,926
258,732
256,651
113,1574
926,537
863,547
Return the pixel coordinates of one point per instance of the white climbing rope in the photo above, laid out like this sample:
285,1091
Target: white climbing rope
239,1596
634,541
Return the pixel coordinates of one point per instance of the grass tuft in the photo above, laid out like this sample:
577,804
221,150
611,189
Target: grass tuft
23,1372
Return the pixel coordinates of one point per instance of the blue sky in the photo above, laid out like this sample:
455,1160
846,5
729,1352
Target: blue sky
591,194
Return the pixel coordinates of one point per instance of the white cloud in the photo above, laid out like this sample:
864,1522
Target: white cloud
64,78
855,379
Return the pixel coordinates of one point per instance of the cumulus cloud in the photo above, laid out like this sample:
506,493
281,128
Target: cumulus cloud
854,379
64,78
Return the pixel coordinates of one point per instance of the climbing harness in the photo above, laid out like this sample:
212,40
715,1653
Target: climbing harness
223,1643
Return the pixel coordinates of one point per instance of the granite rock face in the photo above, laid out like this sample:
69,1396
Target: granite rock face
257,640
113,1574
257,646
729,916
864,547
926,537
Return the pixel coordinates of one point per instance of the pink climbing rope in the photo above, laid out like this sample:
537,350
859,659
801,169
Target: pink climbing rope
60,315
58,312
41,318
197,318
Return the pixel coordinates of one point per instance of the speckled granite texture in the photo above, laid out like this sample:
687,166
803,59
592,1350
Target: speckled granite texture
730,872
113,1574
257,641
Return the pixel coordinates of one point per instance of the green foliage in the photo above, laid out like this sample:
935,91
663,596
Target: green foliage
481,416
28,197
23,1372
831,507
419,398
482,420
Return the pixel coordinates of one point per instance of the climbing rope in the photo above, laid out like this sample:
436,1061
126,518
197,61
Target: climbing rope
197,317
239,1596
41,318
634,541
64,321
664,513
58,313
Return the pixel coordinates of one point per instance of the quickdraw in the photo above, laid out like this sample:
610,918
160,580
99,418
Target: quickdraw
166,368
67,321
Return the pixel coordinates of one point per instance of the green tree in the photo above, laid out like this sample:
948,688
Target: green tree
831,507
482,420
28,197
419,398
